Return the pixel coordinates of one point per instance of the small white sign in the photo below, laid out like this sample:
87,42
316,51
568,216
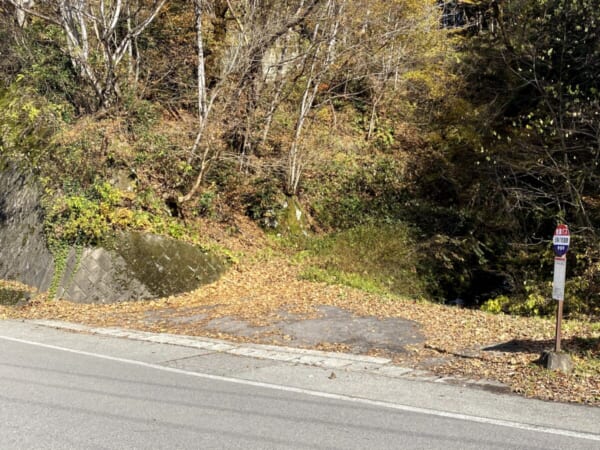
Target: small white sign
560,273
561,240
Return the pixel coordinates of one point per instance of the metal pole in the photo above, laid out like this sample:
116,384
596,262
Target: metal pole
559,314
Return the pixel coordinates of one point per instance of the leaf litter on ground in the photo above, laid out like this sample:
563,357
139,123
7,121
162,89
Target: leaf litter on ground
262,285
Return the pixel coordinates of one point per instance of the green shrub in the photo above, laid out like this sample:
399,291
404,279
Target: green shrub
86,218
27,124
353,192
534,304
76,219
496,305
35,56
533,271
206,202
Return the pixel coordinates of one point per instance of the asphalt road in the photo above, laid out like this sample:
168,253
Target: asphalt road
62,390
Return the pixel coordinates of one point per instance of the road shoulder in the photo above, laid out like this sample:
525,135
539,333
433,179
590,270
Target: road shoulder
363,378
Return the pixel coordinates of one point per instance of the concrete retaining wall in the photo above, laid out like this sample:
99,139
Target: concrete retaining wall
134,266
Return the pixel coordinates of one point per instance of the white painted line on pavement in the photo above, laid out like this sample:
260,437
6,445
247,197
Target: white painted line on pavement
341,397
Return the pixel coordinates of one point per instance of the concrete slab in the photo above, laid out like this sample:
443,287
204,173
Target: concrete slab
361,334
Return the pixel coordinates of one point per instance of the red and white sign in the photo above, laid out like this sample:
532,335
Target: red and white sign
561,240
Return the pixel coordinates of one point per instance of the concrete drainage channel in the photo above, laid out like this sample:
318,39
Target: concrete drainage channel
316,358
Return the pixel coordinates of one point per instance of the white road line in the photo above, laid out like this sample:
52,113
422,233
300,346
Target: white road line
363,401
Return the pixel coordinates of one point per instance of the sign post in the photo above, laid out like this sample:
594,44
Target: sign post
560,243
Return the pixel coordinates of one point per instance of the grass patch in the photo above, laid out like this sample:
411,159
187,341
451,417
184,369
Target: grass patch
347,279
377,258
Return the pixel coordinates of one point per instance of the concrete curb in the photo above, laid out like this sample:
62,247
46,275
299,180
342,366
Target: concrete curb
326,360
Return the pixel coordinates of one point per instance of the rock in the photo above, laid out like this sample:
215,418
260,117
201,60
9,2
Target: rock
292,220
557,361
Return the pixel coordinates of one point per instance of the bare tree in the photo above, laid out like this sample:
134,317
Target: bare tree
102,30
206,102
21,6
238,77
318,59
